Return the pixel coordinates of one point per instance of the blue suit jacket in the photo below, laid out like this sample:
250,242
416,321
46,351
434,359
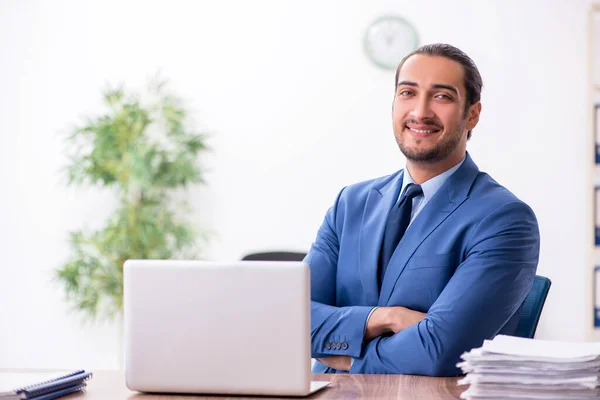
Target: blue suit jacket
468,260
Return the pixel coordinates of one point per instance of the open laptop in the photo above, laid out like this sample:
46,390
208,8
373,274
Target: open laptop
218,327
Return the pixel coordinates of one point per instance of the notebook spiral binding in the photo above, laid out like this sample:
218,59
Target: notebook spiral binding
66,381
80,387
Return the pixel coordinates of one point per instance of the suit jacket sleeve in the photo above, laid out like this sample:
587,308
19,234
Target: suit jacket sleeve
334,330
486,289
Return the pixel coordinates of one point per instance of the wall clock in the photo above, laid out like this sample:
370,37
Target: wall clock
388,39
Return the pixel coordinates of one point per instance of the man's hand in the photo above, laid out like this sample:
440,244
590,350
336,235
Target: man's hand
341,363
391,320
383,320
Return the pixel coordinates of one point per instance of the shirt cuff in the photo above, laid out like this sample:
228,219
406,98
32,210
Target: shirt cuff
364,330
367,320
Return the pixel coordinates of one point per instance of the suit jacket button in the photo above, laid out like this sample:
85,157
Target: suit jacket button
328,346
344,345
338,346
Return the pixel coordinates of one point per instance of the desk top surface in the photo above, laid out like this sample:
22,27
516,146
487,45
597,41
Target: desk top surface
111,385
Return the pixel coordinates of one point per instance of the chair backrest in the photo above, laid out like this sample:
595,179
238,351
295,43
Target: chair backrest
531,309
275,256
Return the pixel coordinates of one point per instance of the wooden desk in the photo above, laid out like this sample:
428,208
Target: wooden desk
111,385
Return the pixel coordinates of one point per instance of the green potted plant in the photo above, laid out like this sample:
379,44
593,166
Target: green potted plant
145,152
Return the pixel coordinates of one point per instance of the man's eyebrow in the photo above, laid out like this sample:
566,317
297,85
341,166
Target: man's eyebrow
442,86
434,86
408,83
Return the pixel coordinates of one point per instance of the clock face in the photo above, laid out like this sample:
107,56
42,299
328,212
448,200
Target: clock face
388,39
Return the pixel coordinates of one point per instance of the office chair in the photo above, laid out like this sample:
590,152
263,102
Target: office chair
275,256
531,310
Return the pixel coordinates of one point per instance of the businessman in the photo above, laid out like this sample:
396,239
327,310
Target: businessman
410,270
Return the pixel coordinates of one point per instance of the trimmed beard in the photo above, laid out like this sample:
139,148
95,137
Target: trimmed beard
436,154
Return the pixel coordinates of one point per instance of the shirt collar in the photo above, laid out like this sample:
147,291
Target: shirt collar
432,185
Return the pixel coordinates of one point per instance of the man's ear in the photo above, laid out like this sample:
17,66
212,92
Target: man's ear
473,115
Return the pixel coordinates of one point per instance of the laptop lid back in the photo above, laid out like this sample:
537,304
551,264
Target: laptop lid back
213,327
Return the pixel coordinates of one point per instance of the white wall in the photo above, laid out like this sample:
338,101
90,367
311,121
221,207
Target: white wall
296,111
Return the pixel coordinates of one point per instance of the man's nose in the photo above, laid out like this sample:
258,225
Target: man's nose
422,109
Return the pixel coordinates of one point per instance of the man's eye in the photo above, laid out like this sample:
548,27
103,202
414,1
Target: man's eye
405,93
443,96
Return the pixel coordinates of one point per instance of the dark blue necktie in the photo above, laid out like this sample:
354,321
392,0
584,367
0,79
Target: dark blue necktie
396,225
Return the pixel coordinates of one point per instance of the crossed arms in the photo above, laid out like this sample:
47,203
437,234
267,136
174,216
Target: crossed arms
485,291
383,321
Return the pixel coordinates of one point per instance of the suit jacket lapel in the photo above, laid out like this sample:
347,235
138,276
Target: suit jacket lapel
379,202
451,195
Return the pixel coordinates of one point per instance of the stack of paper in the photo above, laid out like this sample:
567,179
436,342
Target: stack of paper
515,368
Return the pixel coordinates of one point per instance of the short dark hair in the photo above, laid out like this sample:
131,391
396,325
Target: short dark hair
473,82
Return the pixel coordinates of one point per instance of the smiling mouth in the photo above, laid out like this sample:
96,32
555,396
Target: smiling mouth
428,131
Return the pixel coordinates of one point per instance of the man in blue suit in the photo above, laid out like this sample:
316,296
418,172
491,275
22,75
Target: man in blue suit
410,270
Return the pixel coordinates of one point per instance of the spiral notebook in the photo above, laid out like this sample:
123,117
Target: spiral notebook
41,385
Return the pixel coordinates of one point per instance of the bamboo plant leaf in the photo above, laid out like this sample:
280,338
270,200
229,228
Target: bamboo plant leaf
142,152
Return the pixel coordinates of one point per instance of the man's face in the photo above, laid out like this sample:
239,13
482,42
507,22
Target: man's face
428,115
